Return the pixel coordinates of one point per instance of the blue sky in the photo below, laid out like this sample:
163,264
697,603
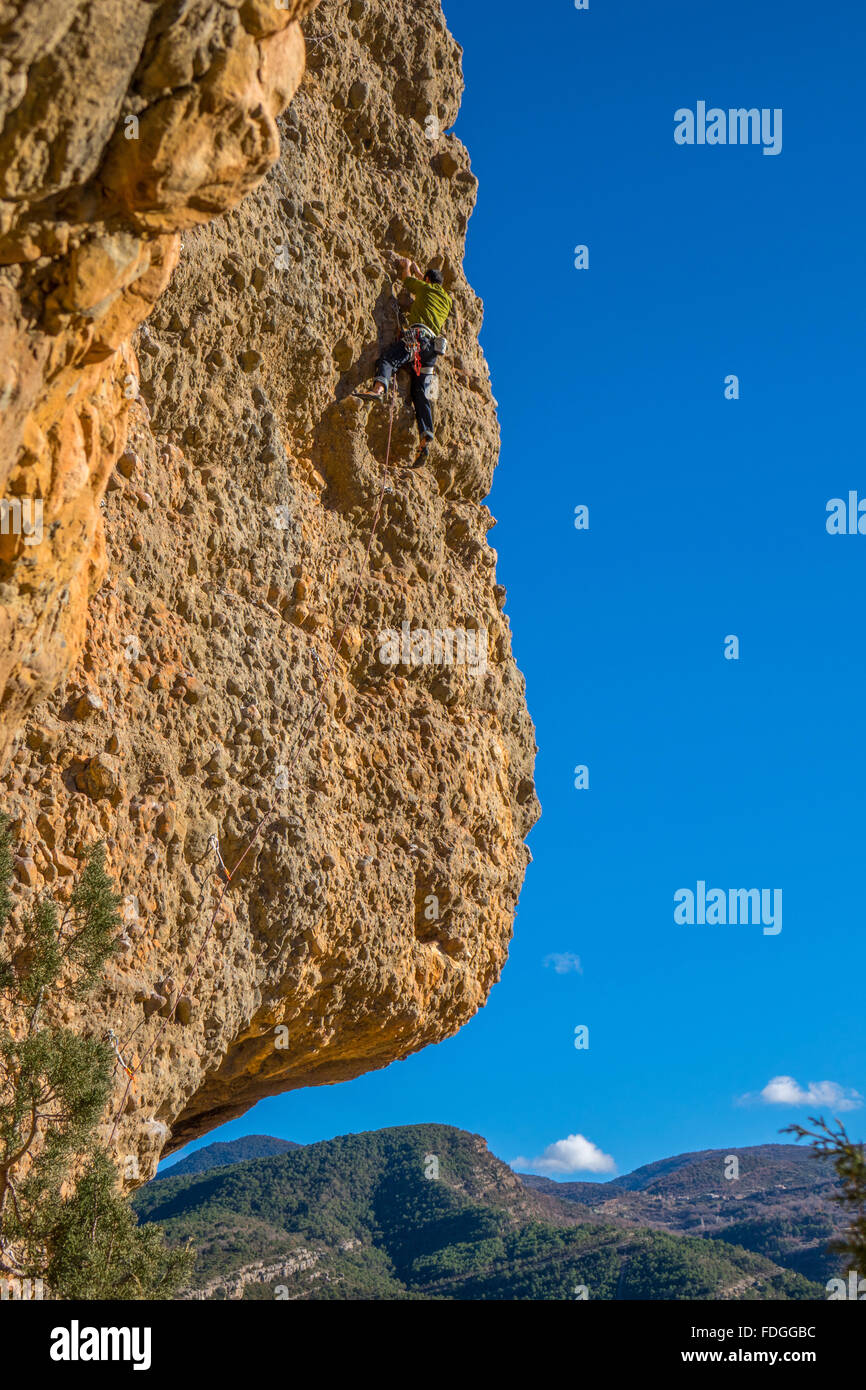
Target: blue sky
707,518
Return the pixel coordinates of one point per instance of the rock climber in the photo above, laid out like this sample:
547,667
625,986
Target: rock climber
418,349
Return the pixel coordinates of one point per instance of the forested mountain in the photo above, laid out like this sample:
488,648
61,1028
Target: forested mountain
426,1211
776,1201
221,1155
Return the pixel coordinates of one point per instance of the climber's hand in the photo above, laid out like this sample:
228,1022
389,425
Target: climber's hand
404,266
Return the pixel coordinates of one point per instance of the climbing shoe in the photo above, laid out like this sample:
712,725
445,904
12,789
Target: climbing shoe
370,395
422,455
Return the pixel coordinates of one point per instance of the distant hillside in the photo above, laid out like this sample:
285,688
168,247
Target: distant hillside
779,1206
426,1212
235,1151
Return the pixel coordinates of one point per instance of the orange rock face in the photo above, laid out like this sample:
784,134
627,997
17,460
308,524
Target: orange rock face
121,124
273,655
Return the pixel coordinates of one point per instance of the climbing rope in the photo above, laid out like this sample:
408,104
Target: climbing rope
271,810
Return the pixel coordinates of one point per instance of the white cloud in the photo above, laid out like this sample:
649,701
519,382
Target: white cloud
564,962
572,1155
784,1090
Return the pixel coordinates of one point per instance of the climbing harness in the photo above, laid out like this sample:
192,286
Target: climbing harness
213,843
416,337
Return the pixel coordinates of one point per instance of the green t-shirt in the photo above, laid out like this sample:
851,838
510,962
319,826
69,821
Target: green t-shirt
431,305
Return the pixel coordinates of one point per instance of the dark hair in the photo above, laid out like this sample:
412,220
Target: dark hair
434,276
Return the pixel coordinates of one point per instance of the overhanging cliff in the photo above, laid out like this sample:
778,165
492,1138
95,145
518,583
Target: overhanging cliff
373,914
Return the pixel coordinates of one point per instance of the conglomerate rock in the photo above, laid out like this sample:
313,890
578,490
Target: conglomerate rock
262,681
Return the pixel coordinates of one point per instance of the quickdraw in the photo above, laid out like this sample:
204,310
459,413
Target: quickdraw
412,340
113,1042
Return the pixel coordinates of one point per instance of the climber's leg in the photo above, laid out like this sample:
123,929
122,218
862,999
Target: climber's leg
420,385
421,388
392,359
